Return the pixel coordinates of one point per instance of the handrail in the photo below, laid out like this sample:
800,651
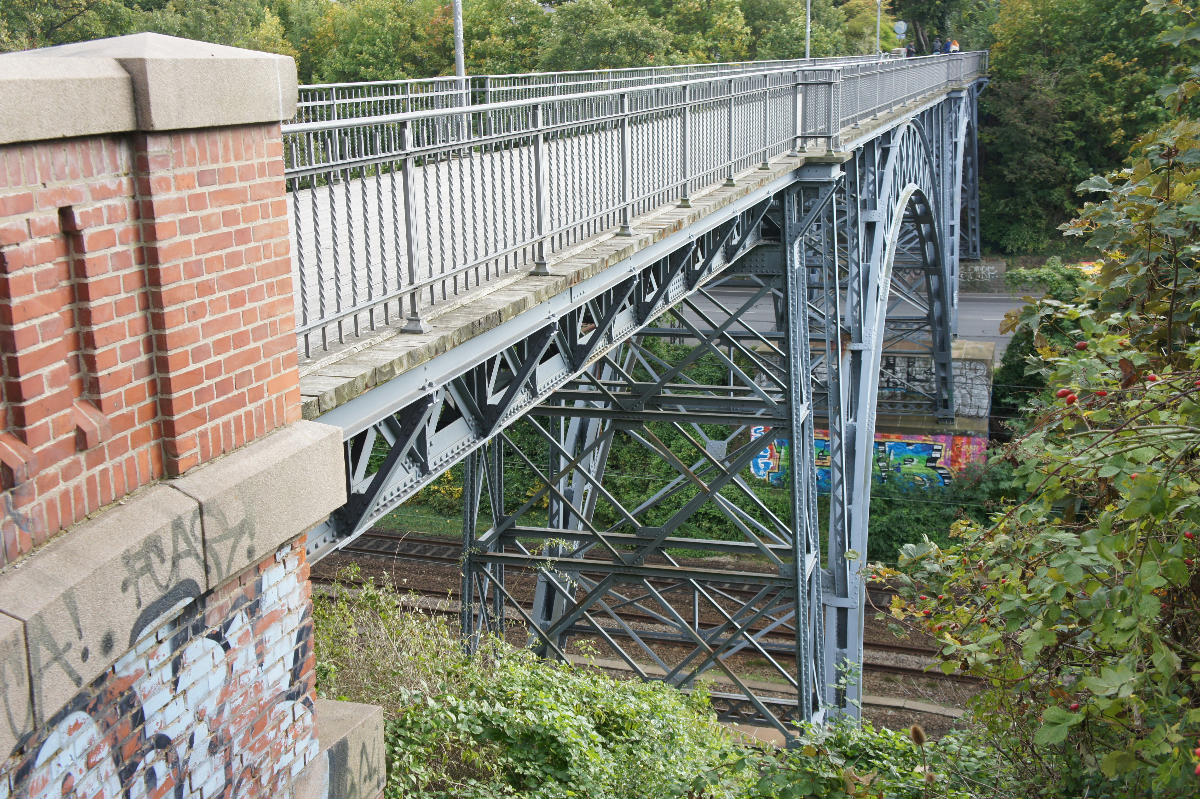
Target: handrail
395,213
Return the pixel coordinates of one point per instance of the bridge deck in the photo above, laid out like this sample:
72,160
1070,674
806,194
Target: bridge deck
332,378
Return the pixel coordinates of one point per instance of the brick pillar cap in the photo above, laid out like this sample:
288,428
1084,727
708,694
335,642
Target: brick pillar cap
146,81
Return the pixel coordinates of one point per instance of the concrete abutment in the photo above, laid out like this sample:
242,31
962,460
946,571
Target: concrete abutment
158,481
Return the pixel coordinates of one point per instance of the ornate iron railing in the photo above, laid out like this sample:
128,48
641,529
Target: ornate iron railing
405,196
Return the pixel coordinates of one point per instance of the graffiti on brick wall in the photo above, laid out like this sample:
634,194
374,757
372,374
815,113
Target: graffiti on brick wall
925,460
214,699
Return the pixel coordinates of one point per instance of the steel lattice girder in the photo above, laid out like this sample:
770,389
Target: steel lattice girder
403,434
842,245
863,265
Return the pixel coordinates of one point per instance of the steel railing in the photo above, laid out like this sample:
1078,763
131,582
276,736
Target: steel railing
396,212
322,102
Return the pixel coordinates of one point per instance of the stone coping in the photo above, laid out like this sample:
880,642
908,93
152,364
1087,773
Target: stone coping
146,82
70,609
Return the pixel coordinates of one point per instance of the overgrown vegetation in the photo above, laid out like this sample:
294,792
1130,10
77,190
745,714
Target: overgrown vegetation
504,723
1081,605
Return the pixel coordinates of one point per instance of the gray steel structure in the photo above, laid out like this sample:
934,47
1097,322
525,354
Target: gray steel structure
858,248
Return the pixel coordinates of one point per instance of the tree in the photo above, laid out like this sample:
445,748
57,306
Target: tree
591,34
383,40
702,30
785,39
503,36
26,24
1072,84
300,19
1080,606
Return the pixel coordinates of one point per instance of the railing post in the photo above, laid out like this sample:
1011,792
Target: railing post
766,122
414,323
835,110
626,170
685,160
487,99
796,122
540,190
729,150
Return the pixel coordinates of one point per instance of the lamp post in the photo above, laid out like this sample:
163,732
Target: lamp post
878,18
460,63
808,29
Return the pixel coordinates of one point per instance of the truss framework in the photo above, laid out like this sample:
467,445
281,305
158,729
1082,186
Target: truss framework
853,258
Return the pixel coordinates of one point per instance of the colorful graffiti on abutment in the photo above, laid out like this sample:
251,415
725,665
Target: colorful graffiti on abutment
925,460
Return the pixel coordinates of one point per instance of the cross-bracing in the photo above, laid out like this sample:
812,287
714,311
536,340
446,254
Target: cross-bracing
833,191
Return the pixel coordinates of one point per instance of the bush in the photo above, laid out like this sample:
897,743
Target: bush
502,722
851,761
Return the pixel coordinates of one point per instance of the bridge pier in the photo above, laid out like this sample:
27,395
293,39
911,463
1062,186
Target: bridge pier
158,481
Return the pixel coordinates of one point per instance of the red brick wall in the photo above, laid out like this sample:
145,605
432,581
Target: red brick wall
213,699
146,321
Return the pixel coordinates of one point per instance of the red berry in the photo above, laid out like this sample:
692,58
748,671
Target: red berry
922,597
983,619
1074,706
926,612
1101,393
1198,768
941,596
1062,392
1189,535
1003,580
1071,399
1133,476
1197,384
1189,562
1081,345
1151,377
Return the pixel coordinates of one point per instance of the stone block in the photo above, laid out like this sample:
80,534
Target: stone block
54,98
256,499
89,594
179,83
16,707
351,761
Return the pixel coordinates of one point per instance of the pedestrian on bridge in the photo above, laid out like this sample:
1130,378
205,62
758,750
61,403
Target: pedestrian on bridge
954,46
937,46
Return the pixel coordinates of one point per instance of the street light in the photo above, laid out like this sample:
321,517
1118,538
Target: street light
878,17
808,29
460,63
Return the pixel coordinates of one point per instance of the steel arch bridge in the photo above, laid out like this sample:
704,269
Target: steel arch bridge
840,195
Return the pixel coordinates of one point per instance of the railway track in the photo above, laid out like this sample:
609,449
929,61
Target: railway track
880,655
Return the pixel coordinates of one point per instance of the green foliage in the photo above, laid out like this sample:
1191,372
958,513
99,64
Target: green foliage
850,761
592,34
504,723
1017,379
904,513
1072,82
357,40
383,40
782,35
1081,605
503,36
